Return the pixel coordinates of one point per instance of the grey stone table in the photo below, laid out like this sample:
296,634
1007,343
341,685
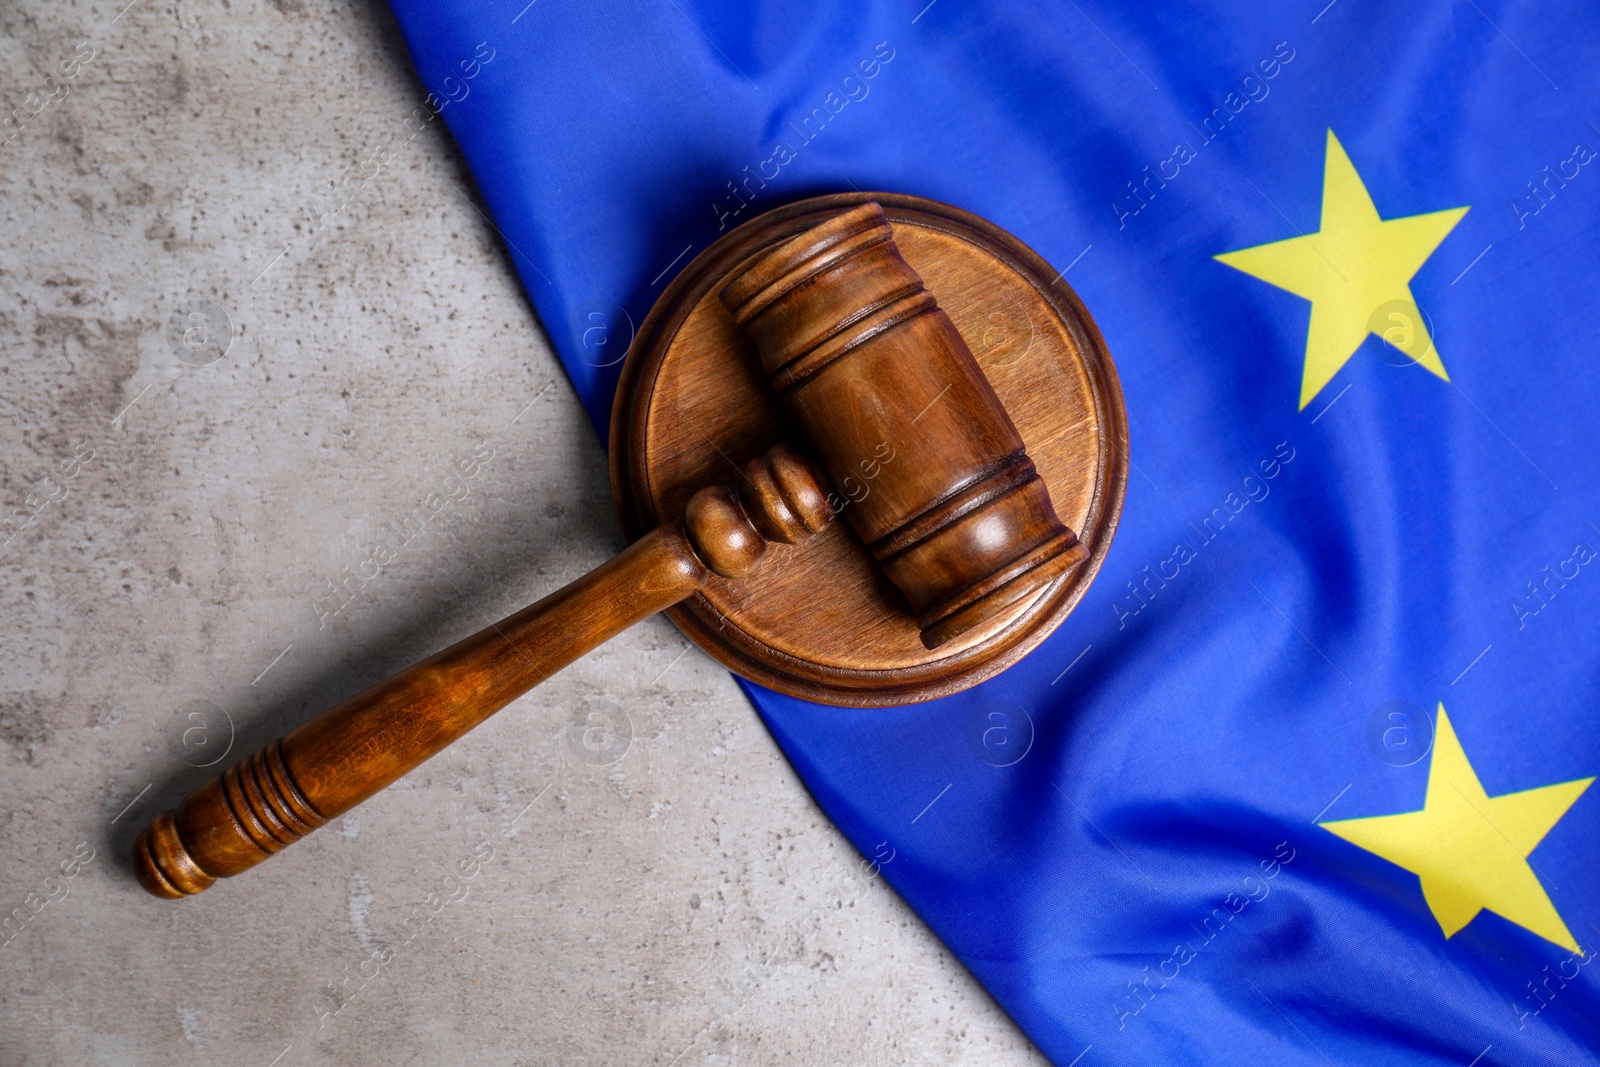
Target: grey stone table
223,381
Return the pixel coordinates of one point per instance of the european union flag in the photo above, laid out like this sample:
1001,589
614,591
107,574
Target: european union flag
1305,777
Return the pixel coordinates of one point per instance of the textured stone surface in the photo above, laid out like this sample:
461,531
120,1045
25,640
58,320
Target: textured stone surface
164,598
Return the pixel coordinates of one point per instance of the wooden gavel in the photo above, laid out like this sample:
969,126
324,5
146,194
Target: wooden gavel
960,522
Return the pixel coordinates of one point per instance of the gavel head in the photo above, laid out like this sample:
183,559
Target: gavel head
873,370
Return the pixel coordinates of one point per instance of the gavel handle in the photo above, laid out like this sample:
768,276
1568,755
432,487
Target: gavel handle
332,763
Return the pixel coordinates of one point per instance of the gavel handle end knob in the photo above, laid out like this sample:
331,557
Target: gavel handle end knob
163,866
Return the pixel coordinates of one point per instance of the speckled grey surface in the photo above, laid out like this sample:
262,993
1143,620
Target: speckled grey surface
651,883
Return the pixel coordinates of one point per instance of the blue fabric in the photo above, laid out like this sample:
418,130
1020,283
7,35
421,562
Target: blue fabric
1070,832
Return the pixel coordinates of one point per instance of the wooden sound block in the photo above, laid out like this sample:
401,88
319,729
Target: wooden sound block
821,620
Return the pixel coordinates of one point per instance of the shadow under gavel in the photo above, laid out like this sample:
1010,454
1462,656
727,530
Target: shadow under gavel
963,525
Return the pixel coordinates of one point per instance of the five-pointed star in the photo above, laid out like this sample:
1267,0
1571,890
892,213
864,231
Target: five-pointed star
1470,849
1356,271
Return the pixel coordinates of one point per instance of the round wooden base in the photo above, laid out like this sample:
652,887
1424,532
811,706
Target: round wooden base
820,620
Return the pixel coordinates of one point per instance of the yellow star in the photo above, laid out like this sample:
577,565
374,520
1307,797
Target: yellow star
1470,849
1356,271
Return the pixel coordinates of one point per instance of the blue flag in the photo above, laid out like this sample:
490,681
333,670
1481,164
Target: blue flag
1305,778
